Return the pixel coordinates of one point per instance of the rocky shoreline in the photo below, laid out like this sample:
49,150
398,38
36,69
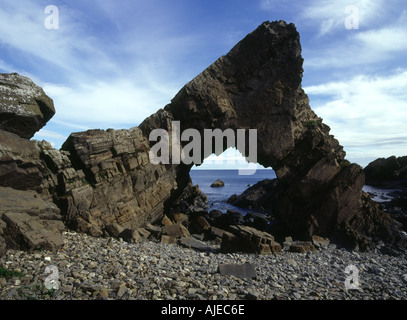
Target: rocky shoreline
139,230
109,269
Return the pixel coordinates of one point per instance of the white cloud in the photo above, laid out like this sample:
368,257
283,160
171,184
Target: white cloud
331,15
105,104
365,113
22,27
361,49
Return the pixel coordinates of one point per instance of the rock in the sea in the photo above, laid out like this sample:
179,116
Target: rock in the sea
387,172
24,107
217,184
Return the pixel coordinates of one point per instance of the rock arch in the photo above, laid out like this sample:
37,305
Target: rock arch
104,183
257,85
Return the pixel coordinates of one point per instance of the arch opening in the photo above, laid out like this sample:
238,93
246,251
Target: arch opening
228,167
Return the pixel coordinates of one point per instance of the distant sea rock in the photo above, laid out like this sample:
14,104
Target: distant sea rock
387,172
217,184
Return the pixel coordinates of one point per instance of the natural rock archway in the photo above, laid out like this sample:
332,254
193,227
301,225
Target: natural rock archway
257,85
104,183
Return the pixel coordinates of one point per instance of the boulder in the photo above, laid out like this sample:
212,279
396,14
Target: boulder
249,240
20,164
242,271
190,242
387,172
198,224
176,231
24,107
217,184
30,222
319,242
301,247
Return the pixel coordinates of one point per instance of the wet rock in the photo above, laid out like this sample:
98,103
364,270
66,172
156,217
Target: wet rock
217,184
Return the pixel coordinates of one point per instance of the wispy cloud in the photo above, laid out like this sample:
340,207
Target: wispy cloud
361,48
331,15
368,112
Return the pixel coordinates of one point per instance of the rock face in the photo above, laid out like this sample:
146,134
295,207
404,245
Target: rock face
24,107
257,85
390,172
104,183
112,181
30,222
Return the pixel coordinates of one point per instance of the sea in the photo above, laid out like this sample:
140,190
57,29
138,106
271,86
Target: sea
237,184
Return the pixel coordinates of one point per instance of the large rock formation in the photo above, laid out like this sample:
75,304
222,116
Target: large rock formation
104,183
28,218
24,107
391,174
257,85
387,172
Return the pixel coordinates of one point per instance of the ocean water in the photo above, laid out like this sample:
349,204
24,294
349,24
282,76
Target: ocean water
236,184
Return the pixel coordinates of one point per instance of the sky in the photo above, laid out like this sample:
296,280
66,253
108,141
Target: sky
110,64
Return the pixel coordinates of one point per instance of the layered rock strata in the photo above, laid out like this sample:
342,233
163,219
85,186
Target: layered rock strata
105,184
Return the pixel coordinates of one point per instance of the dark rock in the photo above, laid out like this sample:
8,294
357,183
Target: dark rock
2,246
319,242
168,239
232,199
231,217
30,222
391,174
387,172
20,164
191,200
24,107
256,220
198,225
193,243
242,271
302,247
175,230
154,230
217,184
249,240
258,195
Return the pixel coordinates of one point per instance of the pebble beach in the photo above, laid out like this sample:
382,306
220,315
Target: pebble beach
90,268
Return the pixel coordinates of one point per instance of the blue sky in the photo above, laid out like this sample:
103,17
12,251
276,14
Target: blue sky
110,64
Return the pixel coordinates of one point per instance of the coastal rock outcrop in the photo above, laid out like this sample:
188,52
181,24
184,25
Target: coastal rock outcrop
24,107
391,174
104,183
387,172
257,85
